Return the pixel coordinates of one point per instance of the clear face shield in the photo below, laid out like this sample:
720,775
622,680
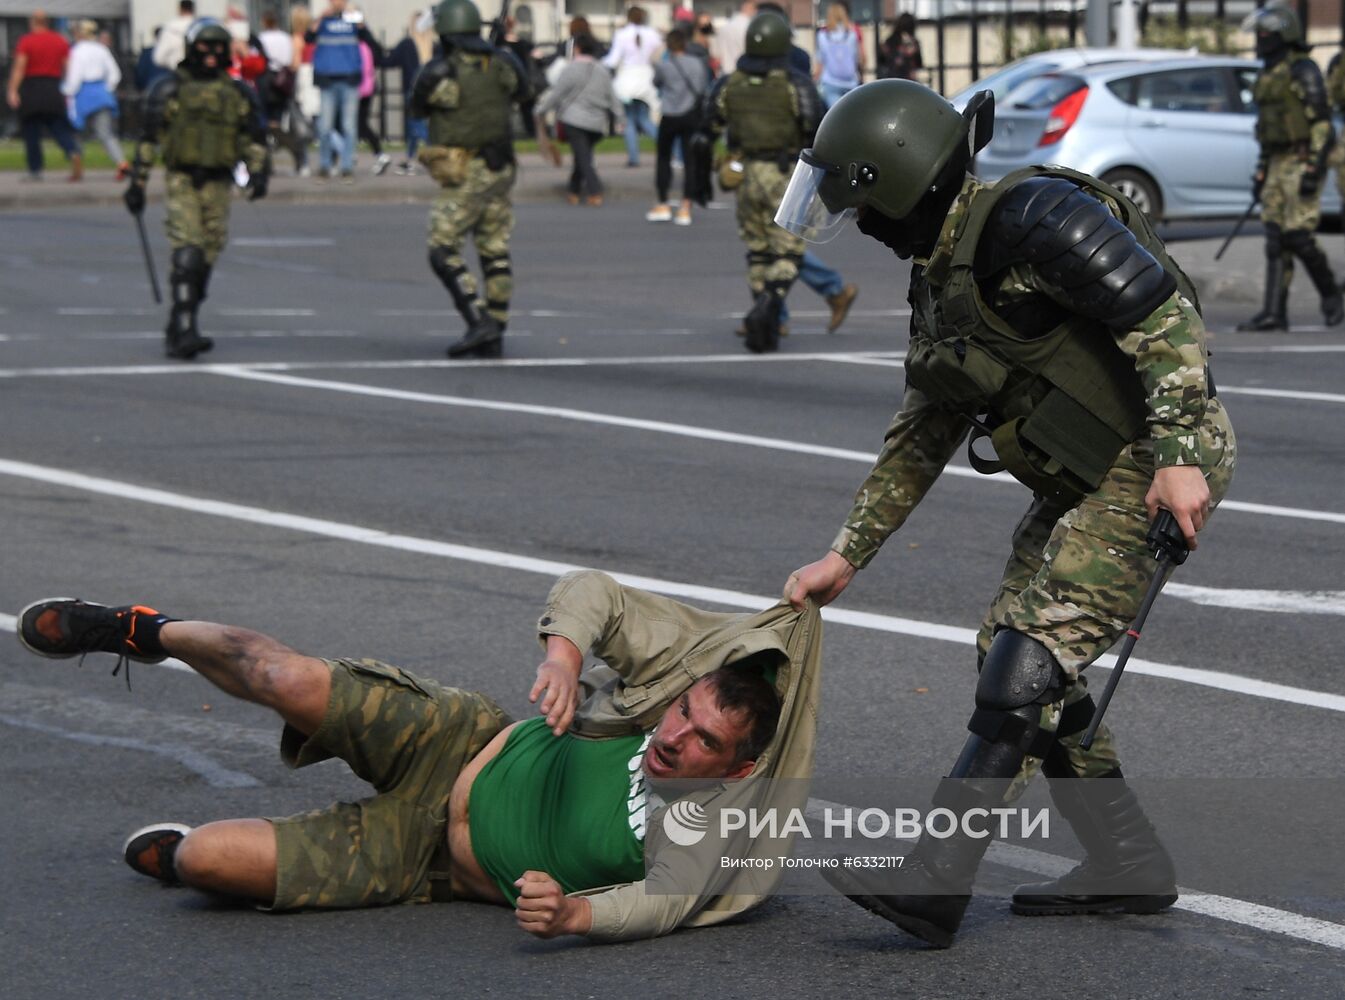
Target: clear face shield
803,210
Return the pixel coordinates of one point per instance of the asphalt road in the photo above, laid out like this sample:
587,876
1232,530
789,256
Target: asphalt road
626,430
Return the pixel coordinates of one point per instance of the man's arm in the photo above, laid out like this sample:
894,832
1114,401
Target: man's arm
545,911
16,77
558,676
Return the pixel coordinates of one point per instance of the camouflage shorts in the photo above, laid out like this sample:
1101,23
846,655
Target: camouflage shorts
408,737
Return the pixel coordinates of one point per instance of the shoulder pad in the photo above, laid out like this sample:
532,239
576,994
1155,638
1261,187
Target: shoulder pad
256,119
1079,247
430,76
1308,75
156,101
522,89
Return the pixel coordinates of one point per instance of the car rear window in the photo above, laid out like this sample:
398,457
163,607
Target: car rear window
1043,92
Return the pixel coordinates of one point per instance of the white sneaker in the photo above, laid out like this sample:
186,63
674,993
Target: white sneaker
381,164
661,213
682,219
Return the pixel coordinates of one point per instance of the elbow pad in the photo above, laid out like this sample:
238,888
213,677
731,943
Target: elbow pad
1098,265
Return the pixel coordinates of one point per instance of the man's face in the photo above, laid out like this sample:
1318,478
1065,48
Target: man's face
696,739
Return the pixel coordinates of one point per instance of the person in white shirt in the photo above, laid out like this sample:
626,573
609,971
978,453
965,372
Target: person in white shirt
631,56
731,37
90,86
171,46
277,44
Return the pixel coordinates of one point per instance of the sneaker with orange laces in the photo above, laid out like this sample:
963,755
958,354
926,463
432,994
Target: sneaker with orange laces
61,627
151,849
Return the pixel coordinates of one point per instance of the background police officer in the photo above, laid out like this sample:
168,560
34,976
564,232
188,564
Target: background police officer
467,96
771,112
1045,311
1293,126
205,123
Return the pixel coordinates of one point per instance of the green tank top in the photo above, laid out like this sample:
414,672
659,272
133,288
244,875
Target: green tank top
568,806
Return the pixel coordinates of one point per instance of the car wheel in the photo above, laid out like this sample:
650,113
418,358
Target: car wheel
1139,188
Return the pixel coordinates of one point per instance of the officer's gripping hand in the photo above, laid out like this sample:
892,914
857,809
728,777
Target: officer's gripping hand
544,910
822,580
134,198
1258,182
1309,183
257,185
558,676
1181,489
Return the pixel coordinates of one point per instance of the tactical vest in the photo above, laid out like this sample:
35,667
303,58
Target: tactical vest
479,94
204,128
760,113
1281,118
1061,406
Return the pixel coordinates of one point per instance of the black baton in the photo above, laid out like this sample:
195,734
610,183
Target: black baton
1168,545
1238,228
149,257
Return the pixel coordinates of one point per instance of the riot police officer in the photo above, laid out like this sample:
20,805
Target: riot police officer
1048,318
205,124
770,112
467,95
1293,126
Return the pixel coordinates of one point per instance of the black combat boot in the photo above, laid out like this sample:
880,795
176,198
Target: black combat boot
1126,870
1305,248
928,896
184,340
484,333
1274,311
762,321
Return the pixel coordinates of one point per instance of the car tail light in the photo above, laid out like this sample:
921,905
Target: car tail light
1063,116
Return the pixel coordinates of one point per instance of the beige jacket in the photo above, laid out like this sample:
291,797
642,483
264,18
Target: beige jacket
655,648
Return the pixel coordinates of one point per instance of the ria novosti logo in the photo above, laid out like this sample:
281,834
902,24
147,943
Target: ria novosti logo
686,823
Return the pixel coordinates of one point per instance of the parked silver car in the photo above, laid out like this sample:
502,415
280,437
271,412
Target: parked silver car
1176,136
1007,77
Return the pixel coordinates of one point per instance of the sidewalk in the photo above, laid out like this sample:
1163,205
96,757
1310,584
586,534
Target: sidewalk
537,181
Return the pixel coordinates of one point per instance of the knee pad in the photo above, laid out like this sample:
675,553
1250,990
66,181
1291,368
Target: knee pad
188,264
441,262
757,258
1018,677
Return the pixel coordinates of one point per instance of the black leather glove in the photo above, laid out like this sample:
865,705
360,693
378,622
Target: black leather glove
1258,182
134,198
257,184
1310,182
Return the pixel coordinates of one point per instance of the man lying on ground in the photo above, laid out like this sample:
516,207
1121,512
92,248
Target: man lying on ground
555,816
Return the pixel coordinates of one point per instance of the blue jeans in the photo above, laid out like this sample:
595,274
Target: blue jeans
817,276
345,98
832,92
417,132
637,121
58,126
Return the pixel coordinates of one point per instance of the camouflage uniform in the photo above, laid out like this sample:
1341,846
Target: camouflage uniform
467,97
770,113
1293,127
1335,92
1077,574
410,738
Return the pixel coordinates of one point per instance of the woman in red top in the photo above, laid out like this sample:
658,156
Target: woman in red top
35,92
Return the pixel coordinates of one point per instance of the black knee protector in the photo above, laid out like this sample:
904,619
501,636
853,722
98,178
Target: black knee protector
189,268
1018,677
450,275
1274,240
495,266
759,258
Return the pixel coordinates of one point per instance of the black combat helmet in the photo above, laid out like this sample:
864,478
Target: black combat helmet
206,37
1277,29
767,36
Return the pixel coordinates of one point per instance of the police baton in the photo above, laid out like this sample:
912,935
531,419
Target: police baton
1233,235
1168,545
149,257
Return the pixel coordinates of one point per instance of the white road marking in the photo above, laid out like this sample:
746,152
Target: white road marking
104,311
1301,394
282,241
550,568
1299,602
1285,349
268,312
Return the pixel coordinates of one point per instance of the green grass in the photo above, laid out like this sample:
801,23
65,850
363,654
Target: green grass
95,158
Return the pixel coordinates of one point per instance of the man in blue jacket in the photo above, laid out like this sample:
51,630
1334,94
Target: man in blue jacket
336,73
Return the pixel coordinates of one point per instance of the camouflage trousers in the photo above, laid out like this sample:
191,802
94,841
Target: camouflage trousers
408,737
198,217
1075,579
479,207
1281,204
773,254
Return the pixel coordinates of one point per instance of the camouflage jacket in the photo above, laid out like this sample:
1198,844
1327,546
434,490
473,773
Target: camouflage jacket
1169,353
653,648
